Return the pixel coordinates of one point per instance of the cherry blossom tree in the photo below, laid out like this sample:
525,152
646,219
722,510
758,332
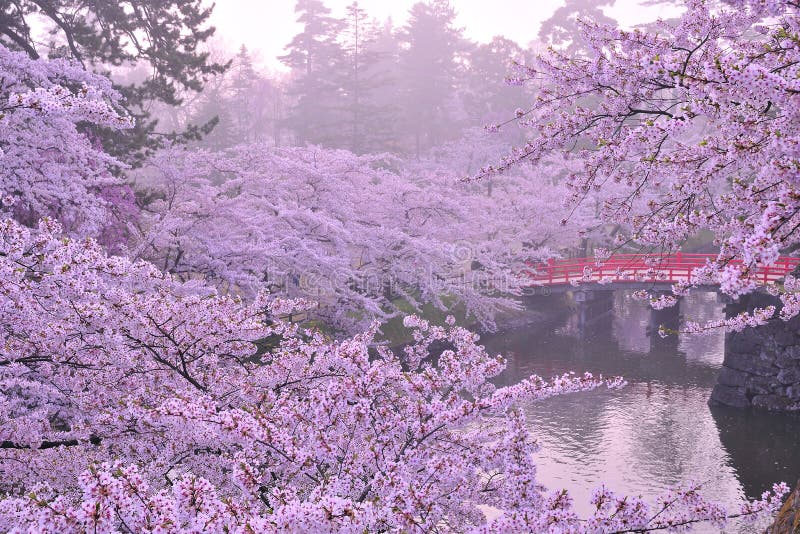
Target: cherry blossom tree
293,220
49,166
356,233
135,400
696,122
527,205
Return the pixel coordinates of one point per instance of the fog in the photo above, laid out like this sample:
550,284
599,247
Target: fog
269,26
414,78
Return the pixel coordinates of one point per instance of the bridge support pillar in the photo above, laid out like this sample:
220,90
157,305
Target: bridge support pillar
762,365
667,318
595,311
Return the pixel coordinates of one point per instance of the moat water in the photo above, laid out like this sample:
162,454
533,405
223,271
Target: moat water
658,431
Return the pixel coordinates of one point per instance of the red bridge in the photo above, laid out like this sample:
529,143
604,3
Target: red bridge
640,268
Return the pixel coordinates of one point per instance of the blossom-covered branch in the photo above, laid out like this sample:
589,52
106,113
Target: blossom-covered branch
685,126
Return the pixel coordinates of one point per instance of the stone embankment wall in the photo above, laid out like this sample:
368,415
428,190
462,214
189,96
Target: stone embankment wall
788,519
762,365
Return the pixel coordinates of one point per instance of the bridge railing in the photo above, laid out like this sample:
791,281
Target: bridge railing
629,268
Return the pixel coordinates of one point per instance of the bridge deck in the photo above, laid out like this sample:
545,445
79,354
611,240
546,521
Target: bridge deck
633,269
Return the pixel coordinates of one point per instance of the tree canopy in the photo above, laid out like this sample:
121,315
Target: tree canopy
165,36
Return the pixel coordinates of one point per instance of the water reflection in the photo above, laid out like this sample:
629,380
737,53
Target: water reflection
766,446
657,432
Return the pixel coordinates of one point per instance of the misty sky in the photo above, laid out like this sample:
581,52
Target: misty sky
266,26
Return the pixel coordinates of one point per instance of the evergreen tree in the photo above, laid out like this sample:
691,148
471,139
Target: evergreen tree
562,31
365,72
429,65
213,105
485,96
246,104
313,54
385,96
243,102
165,36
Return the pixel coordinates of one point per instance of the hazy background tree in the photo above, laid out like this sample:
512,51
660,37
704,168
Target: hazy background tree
430,65
386,130
486,98
363,74
316,106
561,29
366,86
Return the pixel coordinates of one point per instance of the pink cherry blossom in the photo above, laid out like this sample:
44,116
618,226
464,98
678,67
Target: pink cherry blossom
686,126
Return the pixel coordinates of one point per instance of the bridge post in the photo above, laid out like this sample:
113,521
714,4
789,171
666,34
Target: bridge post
595,311
762,365
669,319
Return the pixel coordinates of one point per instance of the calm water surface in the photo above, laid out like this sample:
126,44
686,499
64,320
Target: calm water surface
658,431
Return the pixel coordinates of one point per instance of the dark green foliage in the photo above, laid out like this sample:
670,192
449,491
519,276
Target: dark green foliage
315,114
162,35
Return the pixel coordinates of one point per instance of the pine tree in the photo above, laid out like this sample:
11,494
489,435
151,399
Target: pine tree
365,74
429,66
561,30
243,102
313,55
213,105
484,94
163,37
247,105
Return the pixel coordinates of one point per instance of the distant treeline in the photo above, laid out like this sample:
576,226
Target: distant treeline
365,86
